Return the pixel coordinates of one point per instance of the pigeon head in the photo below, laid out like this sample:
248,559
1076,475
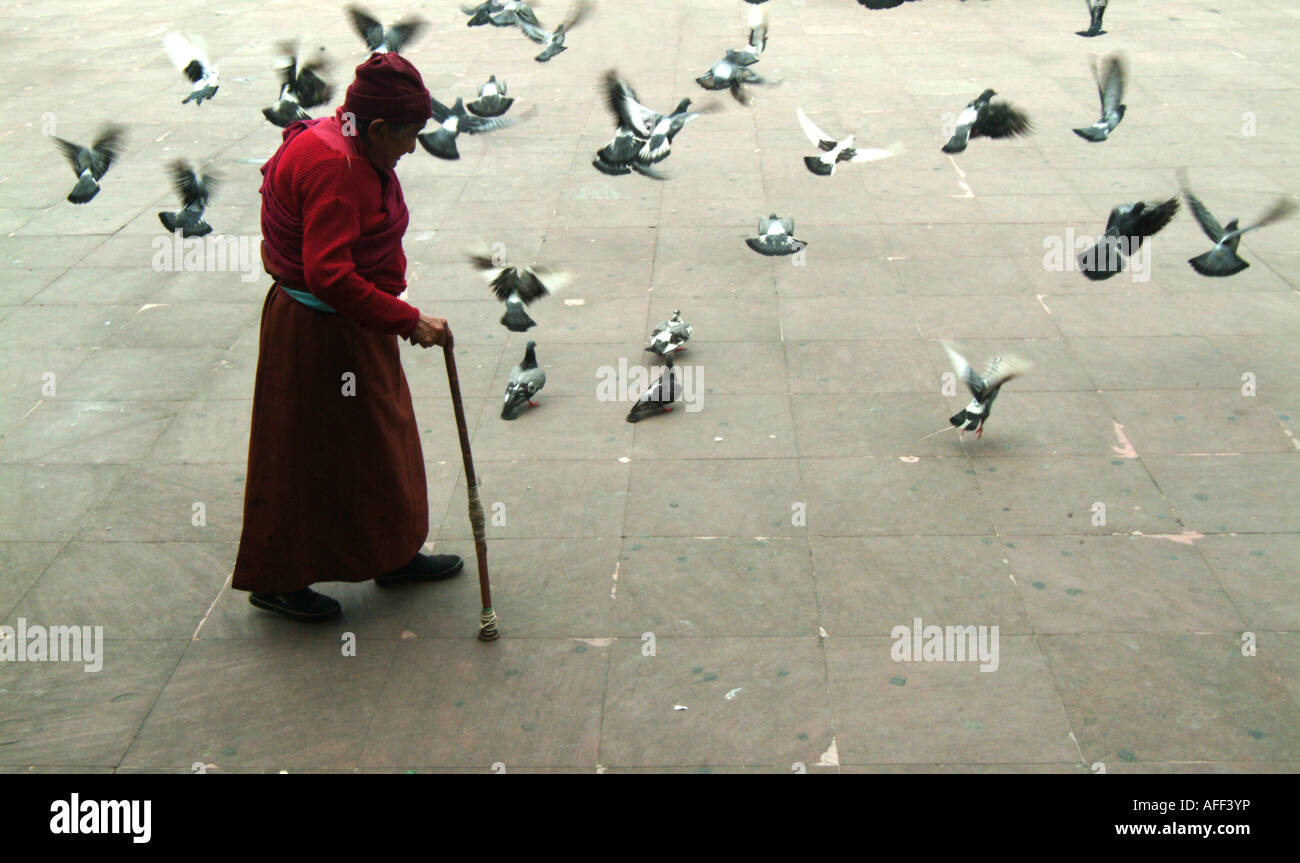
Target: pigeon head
682,106
988,94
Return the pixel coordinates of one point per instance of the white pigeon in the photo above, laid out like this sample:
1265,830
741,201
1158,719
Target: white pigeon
834,152
189,55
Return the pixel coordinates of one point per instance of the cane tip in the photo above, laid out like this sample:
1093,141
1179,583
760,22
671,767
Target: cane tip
488,633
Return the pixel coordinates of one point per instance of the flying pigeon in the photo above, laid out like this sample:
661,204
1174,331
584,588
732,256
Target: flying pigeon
441,142
657,129
492,100
1127,227
1096,9
195,190
482,13
380,40
619,156
1109,75
1223,260
834,152
984,389
775,237
300,87
514,12
658,397
188,55
984,118
670,336
526,381
749,55
518,287
732,72
91,164
553,40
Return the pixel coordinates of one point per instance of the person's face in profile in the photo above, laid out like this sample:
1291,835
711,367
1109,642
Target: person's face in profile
388,142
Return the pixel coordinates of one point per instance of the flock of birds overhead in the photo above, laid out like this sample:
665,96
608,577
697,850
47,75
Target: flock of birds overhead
642,141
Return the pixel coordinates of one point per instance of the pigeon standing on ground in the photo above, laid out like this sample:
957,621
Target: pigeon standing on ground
195,191
984,389
90,164
670,336
441,142
189,55
518,287
658,130
526,381
619,156
775,237
1110,75
834,151
492,100
300,87
1127,227
1096,9
1223,259
381,40
658,397
986,118
552,41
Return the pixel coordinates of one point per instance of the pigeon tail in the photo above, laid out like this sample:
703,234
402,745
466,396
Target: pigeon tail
818,167
965,420
1219,261
957,143
490,106
1093,133
85,189
516,319
440,143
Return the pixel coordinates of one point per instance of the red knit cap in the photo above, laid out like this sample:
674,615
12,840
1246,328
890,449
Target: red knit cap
389,87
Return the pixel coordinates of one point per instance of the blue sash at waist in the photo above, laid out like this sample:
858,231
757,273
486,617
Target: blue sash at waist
307,299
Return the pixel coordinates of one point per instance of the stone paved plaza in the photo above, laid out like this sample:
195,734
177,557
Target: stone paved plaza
747,559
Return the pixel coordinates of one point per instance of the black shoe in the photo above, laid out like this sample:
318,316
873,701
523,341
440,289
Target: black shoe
424,567
305,604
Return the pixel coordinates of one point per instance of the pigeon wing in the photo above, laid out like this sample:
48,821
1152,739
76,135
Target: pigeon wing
1280,210
76,154
814,134
537,34
1152,219
627,109
967,374
1114,73
403,32
1208,223
311,89
1002,120
872,154
367,27
105,150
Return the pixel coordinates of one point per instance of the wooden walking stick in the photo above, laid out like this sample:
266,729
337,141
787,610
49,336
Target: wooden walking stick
487,624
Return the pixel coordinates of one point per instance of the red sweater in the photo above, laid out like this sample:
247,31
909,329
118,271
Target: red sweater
334,223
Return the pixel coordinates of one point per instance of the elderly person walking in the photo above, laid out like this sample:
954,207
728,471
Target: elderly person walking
336,487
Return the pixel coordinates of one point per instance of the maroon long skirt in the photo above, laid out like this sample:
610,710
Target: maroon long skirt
335,488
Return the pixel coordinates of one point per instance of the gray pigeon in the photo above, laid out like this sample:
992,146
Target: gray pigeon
775,237
658,397
984,388
526,381
441,142
190,57
658,130
90,164
1223,259
381,40
195,191
1127,227
1110,77
492,100
552,41
988,119
300,87
1096,9
518,287
727,74
834,152
670,336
